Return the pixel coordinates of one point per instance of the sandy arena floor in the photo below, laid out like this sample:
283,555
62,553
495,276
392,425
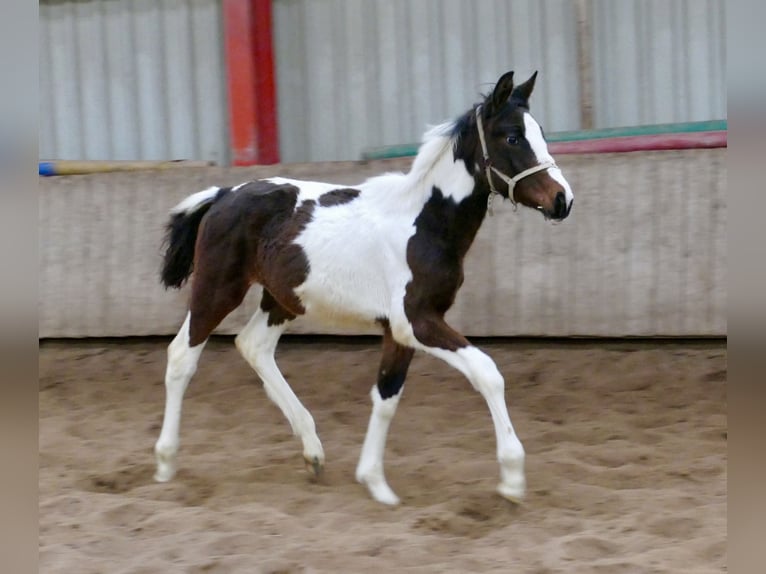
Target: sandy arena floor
626,463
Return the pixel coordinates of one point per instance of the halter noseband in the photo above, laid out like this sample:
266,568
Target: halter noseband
489,168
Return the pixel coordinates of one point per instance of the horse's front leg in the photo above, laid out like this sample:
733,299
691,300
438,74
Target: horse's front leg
434,336
385,398
257,343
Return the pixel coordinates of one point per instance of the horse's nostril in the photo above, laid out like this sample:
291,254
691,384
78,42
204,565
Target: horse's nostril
560,206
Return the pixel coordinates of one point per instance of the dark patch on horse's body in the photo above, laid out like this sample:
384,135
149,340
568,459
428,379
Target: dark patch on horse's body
180,238
277,314
444,231
467,142
338,197
247,237
284,265
393,365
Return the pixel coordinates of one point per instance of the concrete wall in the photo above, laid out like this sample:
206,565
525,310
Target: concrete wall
643,253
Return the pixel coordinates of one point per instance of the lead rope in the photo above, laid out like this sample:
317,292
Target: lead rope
489,168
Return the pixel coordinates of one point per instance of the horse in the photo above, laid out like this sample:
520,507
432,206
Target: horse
387,252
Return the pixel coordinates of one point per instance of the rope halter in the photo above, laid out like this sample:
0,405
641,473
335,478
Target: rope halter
489,168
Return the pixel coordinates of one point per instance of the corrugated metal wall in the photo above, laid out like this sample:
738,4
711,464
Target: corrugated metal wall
132,79
658,61
145,79
353,74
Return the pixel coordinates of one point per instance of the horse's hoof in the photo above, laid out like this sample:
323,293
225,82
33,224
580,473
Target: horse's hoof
164,474
384,495
378,488
314,466
513,494
166,467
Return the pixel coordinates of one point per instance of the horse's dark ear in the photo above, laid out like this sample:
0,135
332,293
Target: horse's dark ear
523,91
501,93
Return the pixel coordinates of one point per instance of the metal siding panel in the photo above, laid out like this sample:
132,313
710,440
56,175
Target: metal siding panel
559,83
419,18
292,88
321,118
342,98
379,72
390,68
491,56
66,105
177,51
132,80
658,61
385,17
657,39
211,134
147,22
122,82
436,33
91,79
47,129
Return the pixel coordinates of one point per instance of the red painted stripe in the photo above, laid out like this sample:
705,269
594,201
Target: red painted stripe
654,142
265,86
252,93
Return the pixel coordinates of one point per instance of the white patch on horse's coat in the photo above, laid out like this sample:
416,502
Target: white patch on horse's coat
358,231
191,203
182,364
435,163
374,229
240,185
369,471
534,135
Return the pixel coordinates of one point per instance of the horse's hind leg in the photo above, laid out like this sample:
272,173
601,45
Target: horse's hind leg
211,301
182,364
385,398
257,343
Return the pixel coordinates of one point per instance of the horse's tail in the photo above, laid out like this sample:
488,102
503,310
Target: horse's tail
181,235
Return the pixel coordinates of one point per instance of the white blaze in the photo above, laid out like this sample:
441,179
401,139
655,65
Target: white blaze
534,135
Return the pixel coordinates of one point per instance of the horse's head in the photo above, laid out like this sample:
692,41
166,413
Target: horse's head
516,162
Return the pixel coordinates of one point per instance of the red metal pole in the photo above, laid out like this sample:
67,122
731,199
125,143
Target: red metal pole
252,90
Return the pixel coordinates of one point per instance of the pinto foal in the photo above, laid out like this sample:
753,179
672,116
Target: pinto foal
388,251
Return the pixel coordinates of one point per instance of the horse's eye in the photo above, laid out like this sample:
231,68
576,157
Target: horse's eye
512,139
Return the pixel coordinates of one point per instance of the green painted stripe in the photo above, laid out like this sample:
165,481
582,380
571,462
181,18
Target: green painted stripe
406,150
688,127
392,151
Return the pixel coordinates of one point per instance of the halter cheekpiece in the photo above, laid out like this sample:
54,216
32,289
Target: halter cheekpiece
489,168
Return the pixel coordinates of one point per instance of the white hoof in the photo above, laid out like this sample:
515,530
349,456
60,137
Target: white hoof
512,492
166,466
383,494
378,488
165,472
